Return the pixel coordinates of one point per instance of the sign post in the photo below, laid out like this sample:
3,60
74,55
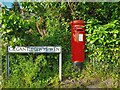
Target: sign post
7,61
35,49
60,66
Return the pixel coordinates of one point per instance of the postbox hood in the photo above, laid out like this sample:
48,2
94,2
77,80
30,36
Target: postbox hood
77,22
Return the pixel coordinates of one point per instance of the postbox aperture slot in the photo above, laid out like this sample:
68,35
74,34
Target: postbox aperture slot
79,29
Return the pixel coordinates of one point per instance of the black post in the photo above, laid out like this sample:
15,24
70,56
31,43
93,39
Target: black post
78,66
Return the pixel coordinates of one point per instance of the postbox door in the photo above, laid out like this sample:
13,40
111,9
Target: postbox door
78,45
78,40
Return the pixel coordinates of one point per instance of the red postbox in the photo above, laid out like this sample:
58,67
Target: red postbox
78,41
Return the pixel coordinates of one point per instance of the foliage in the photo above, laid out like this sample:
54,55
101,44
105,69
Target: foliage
103,44
41,71
27,72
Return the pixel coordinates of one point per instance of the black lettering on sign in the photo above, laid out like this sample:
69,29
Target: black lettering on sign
44,49
16,49
32,49
39,49
22,49
56,49
28,49
51,49
36,49
10,49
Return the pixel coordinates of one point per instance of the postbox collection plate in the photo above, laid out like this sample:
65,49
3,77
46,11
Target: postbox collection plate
80,37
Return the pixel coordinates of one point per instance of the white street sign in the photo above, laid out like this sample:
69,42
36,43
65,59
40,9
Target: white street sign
35,49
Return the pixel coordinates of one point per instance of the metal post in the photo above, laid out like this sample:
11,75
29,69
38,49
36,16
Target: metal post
60,66
7,63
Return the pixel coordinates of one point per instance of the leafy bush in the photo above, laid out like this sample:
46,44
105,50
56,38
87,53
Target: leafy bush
103,44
